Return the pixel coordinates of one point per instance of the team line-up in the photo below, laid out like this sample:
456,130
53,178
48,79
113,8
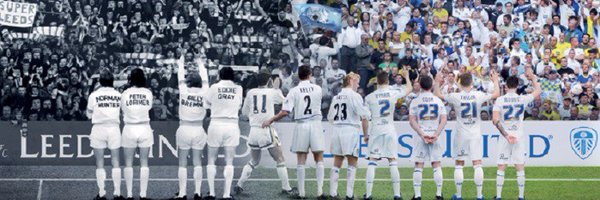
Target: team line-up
350,115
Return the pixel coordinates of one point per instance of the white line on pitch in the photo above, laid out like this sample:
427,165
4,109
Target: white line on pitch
309,179
39,195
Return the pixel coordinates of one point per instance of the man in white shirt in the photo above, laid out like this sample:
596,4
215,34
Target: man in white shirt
305,101
104,107
349,39
224,100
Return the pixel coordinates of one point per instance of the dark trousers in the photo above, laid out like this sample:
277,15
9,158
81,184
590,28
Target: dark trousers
365,74
347,59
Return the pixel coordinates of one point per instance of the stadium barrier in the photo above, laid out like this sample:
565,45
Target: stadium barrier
558,143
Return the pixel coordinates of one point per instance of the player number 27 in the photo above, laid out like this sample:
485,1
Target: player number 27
509,111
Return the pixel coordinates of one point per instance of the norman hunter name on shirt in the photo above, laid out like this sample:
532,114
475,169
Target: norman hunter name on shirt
137,100
106,101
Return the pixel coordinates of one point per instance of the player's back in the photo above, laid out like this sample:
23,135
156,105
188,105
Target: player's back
428,109
192,104
467,106
259,105
381,103
305,101
105,104
136,104
512,108
225,99
346,108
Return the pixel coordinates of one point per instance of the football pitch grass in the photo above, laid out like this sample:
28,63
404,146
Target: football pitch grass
78,182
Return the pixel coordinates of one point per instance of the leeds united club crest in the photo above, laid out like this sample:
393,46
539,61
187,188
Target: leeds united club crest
583,141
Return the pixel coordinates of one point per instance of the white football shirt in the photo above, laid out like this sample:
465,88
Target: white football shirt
382,103
104,106
347,108
225,99
468,106
259,104
136,104
428,109
305,101
512,111
192,103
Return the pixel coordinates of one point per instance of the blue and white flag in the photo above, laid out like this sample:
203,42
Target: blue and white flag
319,16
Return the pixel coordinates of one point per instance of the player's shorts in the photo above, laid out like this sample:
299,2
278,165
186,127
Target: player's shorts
511,153
223,133
105,136
383,142
427,152
465,147
308,135
190,136
137,135
345,140
262,138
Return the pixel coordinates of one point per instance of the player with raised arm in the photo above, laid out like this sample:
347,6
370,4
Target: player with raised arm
347,112
225,101
468,142
104,108
190,134
382,133
508,118
427,116
259,106
136,103
305,101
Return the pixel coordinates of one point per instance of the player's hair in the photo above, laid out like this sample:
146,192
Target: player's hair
304,72
263,78
194,80
106,79
465,79
226,73
348,79
512,82
137,78
383,78
426,82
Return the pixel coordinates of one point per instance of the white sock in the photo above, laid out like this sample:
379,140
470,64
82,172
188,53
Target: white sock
116,176
211,172
438,177
333,181
246,172
478,179
521,183
370,177
459,178
395,175
283,176
417,179
182,175
128,173
320,177
144,176
198,180
100,178
499,183
351,175
301,174
228,173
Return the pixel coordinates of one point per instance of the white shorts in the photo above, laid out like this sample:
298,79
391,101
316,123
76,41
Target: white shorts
511,153
464,147
190,137
345,140
137,135
223,134
427,152
308,135
383,142
105,136
262,138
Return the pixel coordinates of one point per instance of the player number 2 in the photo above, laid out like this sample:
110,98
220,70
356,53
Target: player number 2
264,104
385,106
307,110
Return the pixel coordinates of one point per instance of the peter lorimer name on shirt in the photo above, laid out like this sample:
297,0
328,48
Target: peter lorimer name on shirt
137,100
